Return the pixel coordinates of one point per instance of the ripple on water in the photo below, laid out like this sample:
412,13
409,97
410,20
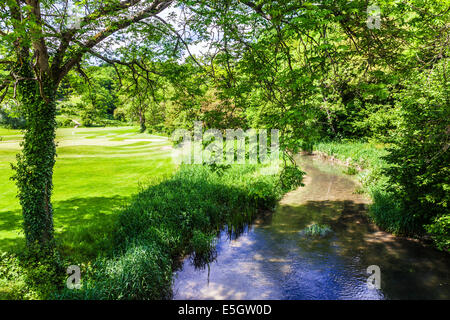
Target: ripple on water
272,260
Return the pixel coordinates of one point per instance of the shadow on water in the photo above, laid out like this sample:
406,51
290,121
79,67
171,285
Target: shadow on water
273,259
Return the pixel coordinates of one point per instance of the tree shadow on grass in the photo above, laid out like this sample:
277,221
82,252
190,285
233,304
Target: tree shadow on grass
83,226
11,224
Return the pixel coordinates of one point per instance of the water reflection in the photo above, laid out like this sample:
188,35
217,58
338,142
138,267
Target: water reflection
272,259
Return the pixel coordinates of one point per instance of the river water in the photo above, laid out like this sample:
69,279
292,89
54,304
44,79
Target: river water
273,259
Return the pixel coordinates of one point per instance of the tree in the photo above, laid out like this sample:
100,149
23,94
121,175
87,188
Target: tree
138,98
92,97
42,48
282,58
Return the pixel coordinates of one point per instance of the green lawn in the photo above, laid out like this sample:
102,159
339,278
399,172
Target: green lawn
96,172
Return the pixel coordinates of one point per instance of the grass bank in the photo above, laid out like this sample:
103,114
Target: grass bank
173,218
126,246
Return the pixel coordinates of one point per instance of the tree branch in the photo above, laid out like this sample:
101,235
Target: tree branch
156,7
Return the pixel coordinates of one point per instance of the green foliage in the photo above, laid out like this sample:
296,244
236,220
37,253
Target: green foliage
63,122
317,230
11,115
202,245
141,272
351,171
34,168
90,100
88,116
30,275
71,106
312,71
419,156
362,154
440,231
12,280
291,176
386,210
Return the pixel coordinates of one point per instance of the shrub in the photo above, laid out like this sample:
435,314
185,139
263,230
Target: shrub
30,275
419,159
440,231
88,117
11,116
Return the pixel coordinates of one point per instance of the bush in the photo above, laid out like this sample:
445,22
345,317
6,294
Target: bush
64,122
120,114
440,231
11,116
88,118
419,171
30,275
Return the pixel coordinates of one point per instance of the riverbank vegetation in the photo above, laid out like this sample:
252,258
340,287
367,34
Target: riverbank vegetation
174,218
407,174
167,220
359,82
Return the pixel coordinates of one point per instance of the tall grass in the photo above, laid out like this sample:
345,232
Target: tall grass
178,216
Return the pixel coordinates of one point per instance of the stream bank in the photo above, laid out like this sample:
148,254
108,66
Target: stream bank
274,259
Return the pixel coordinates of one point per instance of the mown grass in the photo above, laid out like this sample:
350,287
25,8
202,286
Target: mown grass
97,171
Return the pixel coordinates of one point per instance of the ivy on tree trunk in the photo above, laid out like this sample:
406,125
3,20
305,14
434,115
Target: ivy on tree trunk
34,168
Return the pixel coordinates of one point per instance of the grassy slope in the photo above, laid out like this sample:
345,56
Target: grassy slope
96,172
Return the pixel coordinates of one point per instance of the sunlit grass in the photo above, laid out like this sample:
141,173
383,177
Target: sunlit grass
363,154
96,172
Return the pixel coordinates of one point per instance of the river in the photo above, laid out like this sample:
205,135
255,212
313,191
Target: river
274,259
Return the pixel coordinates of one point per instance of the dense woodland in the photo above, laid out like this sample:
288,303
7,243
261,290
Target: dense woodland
324,73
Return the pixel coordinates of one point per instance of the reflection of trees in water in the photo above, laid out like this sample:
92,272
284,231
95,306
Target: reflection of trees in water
200,261
233,231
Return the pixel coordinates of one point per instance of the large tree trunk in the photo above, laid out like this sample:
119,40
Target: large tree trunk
35,164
